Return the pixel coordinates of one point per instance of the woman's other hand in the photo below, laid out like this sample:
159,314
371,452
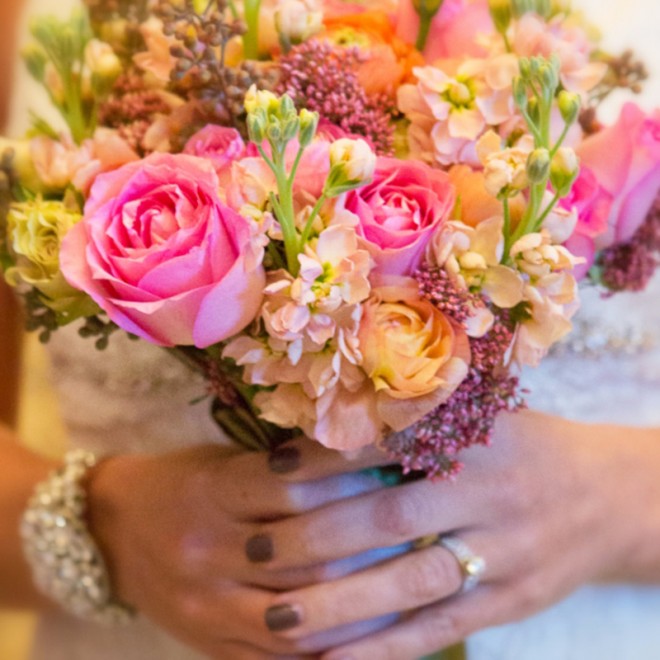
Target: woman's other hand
203,540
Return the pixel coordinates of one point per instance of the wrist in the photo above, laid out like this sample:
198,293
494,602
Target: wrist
112,486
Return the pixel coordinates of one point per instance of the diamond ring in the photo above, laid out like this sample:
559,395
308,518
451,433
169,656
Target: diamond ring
472,566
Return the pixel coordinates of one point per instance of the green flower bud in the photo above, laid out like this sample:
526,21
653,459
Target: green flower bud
35,59
525,66
569,105
287,107
538,165
274,133
564,170
309,122
256,125
263,99
500,11
290,128
520,93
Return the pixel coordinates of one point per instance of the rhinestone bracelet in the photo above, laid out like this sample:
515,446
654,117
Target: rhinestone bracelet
66,562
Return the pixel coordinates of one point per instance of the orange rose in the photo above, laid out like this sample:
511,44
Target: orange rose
389,60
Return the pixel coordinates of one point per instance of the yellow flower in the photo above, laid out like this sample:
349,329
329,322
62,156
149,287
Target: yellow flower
35,230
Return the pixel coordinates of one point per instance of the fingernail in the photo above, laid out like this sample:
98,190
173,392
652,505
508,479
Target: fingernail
259,548
284,460
281,617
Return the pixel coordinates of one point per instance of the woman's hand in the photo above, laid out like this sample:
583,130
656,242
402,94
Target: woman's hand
202,541
552,505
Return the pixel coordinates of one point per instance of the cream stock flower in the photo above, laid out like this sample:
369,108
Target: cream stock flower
472,256
505,170
414,356
537,255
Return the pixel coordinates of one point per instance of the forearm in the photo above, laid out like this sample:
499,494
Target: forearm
21,472
10,345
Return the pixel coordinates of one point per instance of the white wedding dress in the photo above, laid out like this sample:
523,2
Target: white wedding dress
134,397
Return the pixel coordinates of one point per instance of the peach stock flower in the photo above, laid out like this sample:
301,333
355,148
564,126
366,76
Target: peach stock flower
60,163
452,104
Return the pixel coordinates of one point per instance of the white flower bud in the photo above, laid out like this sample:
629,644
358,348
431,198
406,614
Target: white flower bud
298,20
101,60
354,158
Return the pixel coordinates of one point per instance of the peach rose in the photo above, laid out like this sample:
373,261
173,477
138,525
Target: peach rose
414,355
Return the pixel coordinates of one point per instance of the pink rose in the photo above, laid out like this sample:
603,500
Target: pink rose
398,212
625,159
221,145
162,255
592,204
453,29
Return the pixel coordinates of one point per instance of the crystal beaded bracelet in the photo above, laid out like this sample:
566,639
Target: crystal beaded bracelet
66,562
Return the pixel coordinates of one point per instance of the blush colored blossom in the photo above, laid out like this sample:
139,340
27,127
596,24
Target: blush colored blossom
450,107
534,36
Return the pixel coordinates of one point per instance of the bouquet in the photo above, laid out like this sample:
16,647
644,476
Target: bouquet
356,221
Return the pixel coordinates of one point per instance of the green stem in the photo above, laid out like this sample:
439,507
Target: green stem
426,16
547,211
251,37
507,230
287,222
310,221
560,141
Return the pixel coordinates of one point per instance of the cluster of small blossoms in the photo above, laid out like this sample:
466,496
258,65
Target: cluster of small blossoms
630,266
323,78
131,108
433,444
438,286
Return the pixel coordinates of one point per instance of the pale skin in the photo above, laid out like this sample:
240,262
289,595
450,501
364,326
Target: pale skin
206,542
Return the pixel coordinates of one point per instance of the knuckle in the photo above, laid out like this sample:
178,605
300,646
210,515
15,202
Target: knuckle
396,514
530,595
430,576
293,497
439,629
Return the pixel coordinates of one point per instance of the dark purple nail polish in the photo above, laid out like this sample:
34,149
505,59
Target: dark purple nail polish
281,617
259,548
284,460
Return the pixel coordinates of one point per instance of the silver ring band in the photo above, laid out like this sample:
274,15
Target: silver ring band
472,566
